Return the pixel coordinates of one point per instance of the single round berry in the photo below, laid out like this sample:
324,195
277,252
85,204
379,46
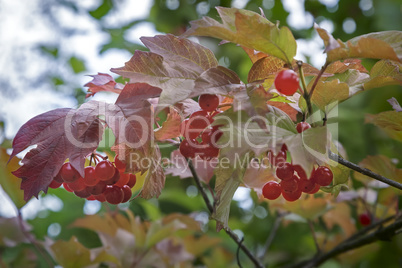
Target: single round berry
287,82
290,185
55,184
280,158
302,126
285,171
65,185
90,179
315,189
186,149
132,181
322,176
123,180
307,186
104,170
83,193
113,194
208,102
119,164
364,219
69,173
271,190
291,196
77,185
127,193
97,189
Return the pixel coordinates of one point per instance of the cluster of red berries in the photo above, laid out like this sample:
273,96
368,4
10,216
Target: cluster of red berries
200,137
104,182
293,179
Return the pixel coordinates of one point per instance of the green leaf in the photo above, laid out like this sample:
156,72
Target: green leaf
239,25
10,183
102,10
77,65
70,254
379,164
389,121
380,45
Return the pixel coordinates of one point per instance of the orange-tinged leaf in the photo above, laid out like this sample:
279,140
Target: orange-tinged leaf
170,128
238,25
71,254
327,94
340,215
307,206
380,45
264,68
289,110
198,245
384,73
103,82
10,183
389,121
253,54
379,164
105,224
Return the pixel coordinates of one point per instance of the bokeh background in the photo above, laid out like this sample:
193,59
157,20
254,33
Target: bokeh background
49,47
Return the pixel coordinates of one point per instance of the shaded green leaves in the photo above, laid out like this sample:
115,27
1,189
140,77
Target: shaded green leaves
248,29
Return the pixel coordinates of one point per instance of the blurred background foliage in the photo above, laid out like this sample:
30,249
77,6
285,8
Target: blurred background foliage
64,71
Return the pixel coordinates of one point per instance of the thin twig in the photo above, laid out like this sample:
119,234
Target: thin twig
272,234
363,171
317,79
211,209
238,253
310,224
385,233
29,237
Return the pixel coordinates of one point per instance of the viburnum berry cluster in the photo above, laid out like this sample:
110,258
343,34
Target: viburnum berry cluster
106,181
200,137
293,180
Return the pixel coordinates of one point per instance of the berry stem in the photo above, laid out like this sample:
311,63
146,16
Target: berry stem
363,171
211,209
304,91
317,79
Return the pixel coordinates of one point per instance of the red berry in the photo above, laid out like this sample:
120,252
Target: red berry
104,170
285,171
68,172
290,185
123,180
77,185
365,219
287,82
82,193
91,198
119,164
90,179
115,178
132,181
271,190
302,126
67,188
291,196
300,172
186,149
280,158
208,102
58,178
315,189
322,176
284,148
127,193
55,184
100,197
306,186
113,194
208,152
97,189
198,121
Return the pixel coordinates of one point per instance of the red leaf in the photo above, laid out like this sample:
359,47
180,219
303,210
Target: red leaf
103,82
58,134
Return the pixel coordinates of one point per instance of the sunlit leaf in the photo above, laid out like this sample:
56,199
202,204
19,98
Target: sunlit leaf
328,94
381,45
238,25
384,73
10,183
170,128
103,82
